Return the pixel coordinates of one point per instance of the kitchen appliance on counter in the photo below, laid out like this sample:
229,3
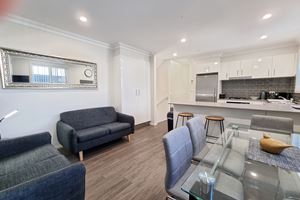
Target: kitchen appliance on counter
239,100
207,87
273,95
222,96
263,95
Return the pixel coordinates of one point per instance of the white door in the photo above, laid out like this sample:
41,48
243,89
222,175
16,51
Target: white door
284,65
262,67
246,68
142,109
135,75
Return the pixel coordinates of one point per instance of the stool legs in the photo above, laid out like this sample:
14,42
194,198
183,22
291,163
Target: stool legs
222,130
177,121
207,126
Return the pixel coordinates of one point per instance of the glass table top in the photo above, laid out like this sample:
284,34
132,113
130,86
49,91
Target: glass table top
234,176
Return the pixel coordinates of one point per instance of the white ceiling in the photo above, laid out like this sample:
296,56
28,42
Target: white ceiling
158,25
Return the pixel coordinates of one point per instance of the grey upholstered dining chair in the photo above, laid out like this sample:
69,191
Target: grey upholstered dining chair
198,137
272,124
179,153
234,162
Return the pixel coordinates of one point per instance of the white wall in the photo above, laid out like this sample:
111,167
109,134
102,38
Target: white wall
297,85
39,109
162,91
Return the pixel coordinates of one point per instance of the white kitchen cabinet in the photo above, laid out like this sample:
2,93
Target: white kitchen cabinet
262,67
230,69
224,71
246,68
284,65
206,68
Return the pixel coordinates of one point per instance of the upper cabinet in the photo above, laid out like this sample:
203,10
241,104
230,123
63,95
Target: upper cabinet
234,68
284,65
246,68
206,68
262,67
267,67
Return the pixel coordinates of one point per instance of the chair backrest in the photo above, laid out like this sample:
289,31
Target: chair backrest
179,153
86,118
197,133
272,124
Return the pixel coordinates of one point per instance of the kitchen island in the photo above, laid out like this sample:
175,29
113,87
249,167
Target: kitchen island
237,112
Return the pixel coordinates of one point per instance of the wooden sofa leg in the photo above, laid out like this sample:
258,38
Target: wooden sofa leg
81,155
128,138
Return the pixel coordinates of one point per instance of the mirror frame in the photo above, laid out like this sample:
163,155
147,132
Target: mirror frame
6,72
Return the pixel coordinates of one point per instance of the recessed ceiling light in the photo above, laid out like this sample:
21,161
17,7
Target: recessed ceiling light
183,40
83,19
259,60
174,54
263,37
216,63
267,16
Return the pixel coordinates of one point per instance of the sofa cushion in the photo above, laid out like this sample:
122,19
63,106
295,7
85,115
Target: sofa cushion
116,126
29,165
92,133
86,118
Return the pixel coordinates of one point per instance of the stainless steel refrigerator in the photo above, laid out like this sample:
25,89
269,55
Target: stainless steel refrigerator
207,87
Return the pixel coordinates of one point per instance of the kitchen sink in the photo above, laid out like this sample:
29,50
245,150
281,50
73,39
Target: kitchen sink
279,101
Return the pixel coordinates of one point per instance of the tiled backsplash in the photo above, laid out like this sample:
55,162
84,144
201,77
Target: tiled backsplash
253,87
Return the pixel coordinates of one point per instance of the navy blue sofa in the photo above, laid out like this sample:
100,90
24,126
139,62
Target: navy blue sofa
80,130
32,168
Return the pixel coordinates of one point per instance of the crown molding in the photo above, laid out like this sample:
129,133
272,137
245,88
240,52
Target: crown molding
244,51
127,47
240,51
37,25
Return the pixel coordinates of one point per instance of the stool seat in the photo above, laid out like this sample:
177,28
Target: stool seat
215,118
186,114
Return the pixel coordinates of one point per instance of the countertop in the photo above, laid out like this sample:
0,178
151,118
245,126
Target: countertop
257,105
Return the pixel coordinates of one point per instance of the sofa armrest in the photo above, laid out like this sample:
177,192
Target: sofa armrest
13,146
127,119
67,183
66,136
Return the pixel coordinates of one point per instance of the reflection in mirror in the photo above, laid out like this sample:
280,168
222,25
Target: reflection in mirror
27,70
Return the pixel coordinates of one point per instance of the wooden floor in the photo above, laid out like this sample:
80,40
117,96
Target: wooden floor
123,170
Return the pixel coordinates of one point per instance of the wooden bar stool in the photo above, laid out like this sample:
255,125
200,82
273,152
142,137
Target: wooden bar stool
184,115
219,119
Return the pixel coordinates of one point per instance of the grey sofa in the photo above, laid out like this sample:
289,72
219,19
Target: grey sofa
80,130
31,168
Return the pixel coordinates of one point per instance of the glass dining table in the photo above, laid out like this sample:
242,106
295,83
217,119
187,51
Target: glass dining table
226,172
